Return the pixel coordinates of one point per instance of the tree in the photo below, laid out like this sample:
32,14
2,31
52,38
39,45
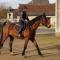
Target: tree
3,11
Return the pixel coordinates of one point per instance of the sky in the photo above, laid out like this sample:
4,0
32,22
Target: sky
14,3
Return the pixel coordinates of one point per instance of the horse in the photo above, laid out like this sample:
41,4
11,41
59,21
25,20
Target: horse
11,30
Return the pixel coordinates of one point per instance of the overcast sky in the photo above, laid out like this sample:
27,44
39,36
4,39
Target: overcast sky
14,3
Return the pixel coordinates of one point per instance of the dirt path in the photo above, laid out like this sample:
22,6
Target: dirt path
49,45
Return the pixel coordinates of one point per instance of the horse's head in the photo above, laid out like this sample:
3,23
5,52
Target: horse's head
45,21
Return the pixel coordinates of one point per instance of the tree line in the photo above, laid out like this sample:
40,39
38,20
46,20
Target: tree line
3,11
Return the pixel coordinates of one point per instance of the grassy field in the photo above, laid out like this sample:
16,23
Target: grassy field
48,44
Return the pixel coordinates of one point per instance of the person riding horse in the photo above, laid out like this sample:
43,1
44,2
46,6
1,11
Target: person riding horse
22,21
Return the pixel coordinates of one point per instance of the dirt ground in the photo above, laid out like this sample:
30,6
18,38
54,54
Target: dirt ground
48,44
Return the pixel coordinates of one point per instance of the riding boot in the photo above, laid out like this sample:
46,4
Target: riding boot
20,34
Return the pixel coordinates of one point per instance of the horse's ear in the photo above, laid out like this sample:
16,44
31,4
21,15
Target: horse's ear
44,14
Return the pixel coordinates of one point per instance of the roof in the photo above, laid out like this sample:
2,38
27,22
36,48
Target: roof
15,12
34,9
40,2
44,2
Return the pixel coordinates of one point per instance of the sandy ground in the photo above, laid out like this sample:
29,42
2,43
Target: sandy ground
48,44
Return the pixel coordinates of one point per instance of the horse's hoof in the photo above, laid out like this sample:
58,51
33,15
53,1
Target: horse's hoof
41,55
11,53
0,53
23,54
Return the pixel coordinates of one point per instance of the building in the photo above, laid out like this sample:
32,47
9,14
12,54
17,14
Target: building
57,29
35,8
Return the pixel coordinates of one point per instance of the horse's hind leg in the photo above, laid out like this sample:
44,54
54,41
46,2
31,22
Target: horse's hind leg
25,46
36,45
11,42
1,45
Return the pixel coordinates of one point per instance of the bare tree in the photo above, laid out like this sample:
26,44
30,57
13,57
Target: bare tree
3,11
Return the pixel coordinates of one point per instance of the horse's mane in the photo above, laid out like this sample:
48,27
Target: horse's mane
34,20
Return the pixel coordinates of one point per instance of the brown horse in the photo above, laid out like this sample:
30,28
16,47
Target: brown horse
11,30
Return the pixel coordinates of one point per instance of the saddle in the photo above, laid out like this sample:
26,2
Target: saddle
22,29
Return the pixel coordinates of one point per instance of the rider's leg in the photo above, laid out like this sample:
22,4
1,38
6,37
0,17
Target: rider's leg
21,28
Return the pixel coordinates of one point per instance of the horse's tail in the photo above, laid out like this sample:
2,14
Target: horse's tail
1,33
4,23
1,37
1,30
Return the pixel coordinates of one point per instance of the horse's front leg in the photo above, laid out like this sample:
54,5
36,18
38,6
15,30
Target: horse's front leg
36,45
25,46
11,43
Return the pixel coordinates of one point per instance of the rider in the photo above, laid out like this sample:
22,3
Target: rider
22,20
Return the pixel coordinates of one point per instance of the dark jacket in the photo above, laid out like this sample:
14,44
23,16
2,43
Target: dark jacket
24,16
